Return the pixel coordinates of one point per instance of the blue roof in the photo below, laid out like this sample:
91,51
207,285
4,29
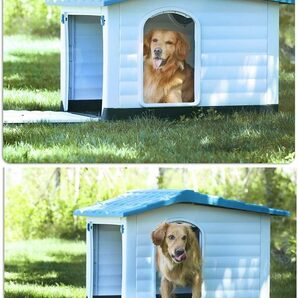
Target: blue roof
111,2
140,201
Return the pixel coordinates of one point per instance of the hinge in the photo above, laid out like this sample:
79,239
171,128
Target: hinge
63,18
89,226
102,20
122,229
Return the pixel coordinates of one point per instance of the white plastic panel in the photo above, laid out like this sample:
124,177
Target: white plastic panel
85,57
231,250
107,260
234,49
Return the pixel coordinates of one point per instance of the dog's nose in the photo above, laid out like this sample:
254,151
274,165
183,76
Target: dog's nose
179,252
157,51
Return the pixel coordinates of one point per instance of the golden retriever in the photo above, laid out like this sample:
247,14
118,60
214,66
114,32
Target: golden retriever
167,77
178,258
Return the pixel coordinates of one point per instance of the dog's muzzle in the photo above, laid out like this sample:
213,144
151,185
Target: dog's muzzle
179,256
158,62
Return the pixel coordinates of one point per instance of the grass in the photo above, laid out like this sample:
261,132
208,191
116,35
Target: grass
47,268
31,73
52,268
241,138
31,81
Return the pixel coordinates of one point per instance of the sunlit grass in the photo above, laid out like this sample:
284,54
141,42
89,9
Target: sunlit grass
31,73
45,268
27,99
248,137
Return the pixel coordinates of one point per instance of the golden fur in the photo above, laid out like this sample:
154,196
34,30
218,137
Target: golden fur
170,237
173,80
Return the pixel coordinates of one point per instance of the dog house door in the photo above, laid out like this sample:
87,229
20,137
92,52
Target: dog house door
85,62
105,261
180,292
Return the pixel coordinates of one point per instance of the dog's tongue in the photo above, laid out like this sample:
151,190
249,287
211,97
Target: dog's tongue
180,258
156,63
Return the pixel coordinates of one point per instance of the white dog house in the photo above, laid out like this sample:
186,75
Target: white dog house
234,53
234,238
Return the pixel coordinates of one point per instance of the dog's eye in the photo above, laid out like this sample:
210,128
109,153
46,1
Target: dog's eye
169,42
171,237
154,39
183,237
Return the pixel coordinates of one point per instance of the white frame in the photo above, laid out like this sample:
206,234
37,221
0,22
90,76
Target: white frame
64,80
117,221
202,246
197,57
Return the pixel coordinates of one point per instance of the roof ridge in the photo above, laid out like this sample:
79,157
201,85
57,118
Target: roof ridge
139,201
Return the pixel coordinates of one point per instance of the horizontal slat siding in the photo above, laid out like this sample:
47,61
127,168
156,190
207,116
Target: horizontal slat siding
234,86
234,46
233,50
226,59
238,32
216,273
234,294
231,249
107,253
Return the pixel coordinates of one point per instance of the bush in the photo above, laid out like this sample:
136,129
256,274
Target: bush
31,17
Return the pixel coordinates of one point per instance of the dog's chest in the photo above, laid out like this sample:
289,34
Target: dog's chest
153,92
180,275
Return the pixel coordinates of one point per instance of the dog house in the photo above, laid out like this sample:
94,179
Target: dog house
234,237
234,51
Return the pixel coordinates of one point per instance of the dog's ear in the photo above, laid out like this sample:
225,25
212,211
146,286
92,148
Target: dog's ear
159,234
182,47
146,45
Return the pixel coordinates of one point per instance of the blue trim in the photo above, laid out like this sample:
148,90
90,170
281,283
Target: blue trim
111,2
136,202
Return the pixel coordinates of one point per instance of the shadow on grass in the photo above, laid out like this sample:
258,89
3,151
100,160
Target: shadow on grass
68,270
245,137
32,70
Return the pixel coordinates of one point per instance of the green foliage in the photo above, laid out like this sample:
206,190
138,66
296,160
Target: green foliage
31,17
47,199
282,280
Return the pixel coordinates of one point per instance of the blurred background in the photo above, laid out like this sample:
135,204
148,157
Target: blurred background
45,243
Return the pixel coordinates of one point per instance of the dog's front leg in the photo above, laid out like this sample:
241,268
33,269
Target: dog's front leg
174,95
166,289
196,286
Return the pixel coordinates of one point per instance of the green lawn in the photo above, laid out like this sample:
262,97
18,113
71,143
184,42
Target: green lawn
31,73
45,269
233,138
56,268
31,81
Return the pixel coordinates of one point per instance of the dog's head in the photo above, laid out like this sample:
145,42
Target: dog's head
175,239
164,47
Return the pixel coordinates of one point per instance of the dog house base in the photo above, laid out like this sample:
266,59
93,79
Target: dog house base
176,112
93,106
